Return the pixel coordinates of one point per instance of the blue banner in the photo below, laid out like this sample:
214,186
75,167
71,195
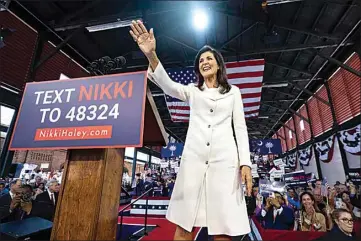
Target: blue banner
93,112
173,149
266,146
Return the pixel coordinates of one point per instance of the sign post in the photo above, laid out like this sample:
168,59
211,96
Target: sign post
95,119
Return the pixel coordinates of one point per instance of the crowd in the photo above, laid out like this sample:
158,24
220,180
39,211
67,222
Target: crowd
161,183
34,195
317,207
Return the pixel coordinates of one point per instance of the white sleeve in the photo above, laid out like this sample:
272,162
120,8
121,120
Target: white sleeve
169,87
240,130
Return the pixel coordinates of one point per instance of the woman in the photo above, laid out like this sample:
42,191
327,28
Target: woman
207,190
311,219
345,196
342,228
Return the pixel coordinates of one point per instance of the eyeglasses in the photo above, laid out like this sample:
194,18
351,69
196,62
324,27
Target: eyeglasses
346,220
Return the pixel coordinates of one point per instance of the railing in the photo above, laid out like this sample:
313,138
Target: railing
146,212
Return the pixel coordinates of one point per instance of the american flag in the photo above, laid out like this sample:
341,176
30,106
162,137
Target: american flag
246,75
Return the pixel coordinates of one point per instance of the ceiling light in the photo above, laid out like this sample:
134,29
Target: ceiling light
263,117
15,91
113,25
274,2
200,19
275,85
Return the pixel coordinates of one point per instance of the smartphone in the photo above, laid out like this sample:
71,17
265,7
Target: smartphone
338,203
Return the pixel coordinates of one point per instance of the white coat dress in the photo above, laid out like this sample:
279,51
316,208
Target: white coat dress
207,192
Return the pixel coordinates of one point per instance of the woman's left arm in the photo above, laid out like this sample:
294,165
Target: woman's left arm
240,129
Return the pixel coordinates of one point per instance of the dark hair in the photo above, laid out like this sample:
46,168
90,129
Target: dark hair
344,192
281,196
222,80
312,198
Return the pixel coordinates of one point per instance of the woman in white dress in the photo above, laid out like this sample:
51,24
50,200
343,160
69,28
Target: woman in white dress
207,192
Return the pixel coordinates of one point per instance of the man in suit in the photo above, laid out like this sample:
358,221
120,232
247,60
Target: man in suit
276,215
16,205
47,200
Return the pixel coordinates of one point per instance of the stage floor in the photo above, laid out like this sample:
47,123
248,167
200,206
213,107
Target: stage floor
162,229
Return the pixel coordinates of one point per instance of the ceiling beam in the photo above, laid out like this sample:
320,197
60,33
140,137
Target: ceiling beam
352,30
261,18
281,92
290,48
290,68
237,35
65,19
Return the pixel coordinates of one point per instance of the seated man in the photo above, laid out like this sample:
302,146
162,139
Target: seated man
275,214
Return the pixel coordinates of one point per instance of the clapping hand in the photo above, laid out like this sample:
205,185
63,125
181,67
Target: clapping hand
143,38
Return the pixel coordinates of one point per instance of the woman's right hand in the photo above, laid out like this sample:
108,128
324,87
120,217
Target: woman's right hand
143,38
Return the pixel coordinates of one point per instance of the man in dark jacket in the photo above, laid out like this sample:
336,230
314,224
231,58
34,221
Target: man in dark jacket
276,215
17,205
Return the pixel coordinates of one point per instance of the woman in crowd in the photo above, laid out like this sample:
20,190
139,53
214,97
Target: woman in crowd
351,204
311,219
342,228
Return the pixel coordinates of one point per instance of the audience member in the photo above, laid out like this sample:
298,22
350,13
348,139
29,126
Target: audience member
342,228
275,214
311,219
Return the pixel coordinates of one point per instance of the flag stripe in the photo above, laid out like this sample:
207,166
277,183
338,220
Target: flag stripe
245,63
251,95
246,75
249,85
242,80
246,69
251,100
251,104
250,90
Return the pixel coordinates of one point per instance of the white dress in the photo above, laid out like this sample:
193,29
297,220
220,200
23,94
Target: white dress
207,191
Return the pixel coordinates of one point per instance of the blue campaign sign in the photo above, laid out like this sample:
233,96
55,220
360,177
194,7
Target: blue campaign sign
266,146
173,149
94,112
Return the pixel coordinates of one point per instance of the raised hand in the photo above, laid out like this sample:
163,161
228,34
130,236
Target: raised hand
143,38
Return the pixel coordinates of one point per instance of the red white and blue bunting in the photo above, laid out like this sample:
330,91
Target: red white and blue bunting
324,149
305,155
292,160
350,140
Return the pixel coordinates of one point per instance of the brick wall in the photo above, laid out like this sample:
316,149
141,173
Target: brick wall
55,159
59,63
16,56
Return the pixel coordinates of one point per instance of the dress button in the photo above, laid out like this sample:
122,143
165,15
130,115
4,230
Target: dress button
209,126
208,144
211,110
206,162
